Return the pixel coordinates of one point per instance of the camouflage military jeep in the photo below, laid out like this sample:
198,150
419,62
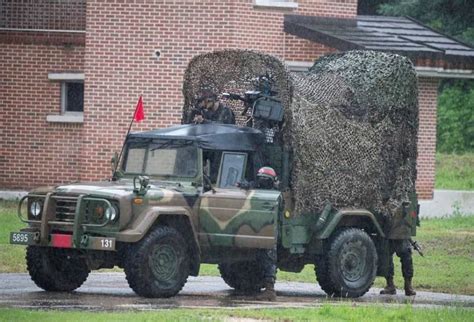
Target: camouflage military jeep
175,203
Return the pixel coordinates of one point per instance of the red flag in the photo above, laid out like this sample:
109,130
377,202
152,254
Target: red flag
139,113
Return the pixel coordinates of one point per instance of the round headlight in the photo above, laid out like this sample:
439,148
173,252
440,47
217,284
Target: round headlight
35,208
111,213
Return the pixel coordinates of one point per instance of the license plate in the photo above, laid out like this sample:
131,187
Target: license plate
22,238
101,243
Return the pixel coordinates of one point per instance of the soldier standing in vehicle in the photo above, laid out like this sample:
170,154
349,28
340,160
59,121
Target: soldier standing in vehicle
213,110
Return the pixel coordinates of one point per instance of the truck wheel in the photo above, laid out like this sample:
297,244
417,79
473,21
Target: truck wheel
56,269
158,265
349,265
246,276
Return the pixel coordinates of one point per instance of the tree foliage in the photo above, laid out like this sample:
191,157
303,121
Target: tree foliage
455,126
453,17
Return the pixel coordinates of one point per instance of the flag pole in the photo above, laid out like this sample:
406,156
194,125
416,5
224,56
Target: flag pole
139,105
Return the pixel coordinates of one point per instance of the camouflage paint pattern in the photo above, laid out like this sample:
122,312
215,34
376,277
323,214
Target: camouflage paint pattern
241,218
223,217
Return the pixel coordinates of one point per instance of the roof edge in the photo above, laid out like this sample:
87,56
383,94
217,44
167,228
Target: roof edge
290,26
439,72
437,31
345,34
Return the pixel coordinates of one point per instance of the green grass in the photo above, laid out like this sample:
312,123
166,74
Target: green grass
12,258
447,266
454,171
324,313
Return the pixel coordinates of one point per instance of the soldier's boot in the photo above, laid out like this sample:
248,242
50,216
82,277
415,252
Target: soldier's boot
269,293
390,289
409,291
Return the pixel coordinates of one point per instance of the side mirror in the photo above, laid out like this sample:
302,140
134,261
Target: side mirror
142,187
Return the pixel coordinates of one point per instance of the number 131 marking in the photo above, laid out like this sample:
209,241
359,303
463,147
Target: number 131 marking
107,243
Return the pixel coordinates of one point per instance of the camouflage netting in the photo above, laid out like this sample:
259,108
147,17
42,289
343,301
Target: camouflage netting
351,121
353,126
232,71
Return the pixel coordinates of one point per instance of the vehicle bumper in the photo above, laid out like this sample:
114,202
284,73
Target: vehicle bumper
63,241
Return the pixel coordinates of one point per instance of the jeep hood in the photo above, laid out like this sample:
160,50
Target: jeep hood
113,189
105,188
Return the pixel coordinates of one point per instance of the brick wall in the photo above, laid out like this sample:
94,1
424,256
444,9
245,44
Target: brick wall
428,93
43,14
32,151
303,50
262,28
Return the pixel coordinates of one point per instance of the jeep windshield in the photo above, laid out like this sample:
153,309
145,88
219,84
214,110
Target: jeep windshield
161,159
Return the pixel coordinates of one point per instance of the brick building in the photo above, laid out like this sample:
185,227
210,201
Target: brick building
71,72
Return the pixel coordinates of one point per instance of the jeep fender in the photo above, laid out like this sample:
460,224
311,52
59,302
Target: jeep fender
171,216
142,224
333,221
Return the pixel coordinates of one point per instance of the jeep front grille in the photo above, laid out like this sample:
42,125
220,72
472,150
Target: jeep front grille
65,208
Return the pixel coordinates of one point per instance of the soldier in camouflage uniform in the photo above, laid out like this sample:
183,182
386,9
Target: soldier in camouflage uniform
402,247
213,110
267,179
400,243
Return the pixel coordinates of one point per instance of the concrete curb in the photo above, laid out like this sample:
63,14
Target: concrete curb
12,194
447,203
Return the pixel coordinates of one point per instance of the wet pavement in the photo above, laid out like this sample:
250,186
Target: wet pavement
110,291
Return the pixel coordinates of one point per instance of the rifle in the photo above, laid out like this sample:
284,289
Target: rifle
417,247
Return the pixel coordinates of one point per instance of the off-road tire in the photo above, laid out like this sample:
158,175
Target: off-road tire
56,269
322,275
349,264
159,264
245,276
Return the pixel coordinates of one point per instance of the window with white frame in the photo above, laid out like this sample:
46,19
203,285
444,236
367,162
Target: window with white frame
72,97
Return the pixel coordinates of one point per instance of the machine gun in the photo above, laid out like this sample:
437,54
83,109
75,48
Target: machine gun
261,102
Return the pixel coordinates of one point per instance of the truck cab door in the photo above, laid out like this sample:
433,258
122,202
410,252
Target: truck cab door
234,217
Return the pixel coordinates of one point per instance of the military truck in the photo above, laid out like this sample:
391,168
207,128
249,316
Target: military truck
175,203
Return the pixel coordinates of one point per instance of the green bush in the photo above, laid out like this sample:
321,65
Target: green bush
455,126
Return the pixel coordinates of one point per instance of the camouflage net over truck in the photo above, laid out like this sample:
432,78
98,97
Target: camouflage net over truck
353,126
351,122
232,71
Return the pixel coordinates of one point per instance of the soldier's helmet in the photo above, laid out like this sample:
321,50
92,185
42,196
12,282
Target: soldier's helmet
266,178
206,94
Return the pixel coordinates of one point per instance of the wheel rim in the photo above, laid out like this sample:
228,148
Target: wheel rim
353,261
164,263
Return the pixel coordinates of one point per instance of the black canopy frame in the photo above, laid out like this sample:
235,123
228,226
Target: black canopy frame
220,137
